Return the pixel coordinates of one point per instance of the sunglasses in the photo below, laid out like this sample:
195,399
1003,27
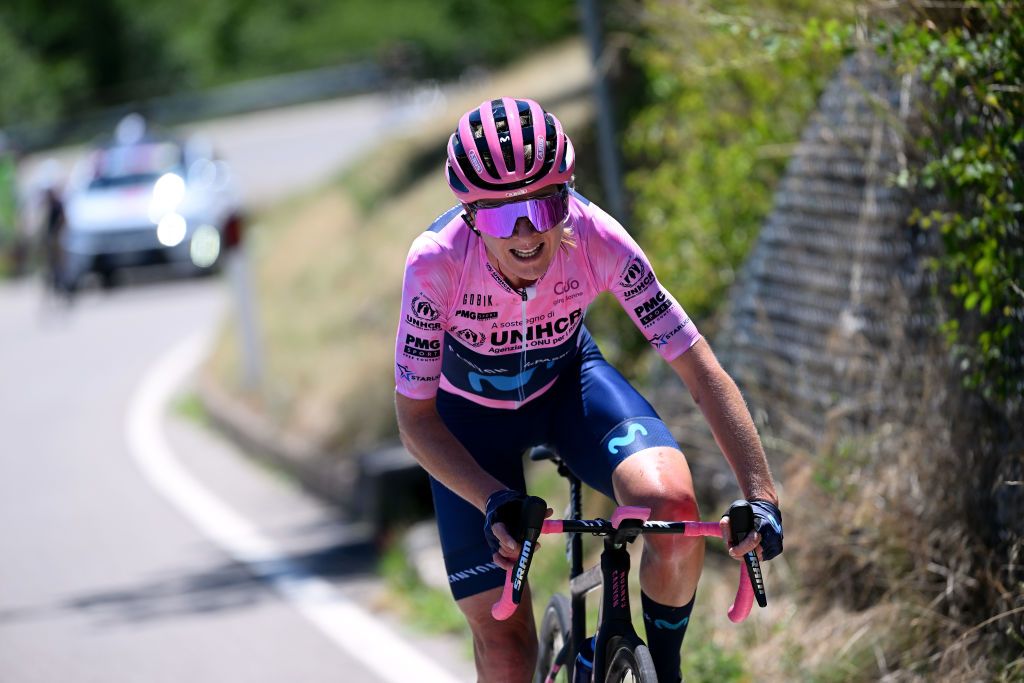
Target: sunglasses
543,212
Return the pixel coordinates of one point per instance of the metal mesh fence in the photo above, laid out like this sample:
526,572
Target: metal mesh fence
832,317
834,294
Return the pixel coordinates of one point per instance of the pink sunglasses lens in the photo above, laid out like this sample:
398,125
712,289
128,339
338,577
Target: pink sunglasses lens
500,221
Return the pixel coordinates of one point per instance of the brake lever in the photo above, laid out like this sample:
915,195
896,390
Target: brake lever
534,510
741,522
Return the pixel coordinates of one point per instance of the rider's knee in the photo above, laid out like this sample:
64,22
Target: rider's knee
503,647
504,653
677,504
674,506
501,641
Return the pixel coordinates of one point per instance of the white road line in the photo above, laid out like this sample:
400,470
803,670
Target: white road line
351,628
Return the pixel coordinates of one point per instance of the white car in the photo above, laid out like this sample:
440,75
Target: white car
150,202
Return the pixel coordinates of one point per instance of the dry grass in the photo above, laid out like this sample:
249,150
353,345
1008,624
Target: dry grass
904,541
903,573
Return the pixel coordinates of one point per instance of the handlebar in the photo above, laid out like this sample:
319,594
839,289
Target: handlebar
741,522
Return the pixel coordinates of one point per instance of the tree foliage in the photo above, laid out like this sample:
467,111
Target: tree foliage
73,54
729,86
973,62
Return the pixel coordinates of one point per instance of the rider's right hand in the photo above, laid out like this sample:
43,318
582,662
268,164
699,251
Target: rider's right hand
503,524
505,509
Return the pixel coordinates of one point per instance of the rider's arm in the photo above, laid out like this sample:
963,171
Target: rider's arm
440,453
430,271
723,407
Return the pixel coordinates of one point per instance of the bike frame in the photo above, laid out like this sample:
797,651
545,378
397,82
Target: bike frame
579,583
611,574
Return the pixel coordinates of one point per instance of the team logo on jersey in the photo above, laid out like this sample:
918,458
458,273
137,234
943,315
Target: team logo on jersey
472,338
547,330
567,286
633,273
476,315
639,288
415,347
659,340
404,372
473,299
424,309
653,308
407,375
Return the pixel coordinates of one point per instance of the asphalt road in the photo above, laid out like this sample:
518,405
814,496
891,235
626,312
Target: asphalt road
275,153
102,576
114,570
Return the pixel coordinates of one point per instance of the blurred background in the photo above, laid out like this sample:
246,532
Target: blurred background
832,190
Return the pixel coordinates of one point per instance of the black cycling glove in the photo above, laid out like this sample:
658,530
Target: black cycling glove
768,523
505,506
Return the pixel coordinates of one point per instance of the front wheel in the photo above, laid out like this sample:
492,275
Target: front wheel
554,635
630,662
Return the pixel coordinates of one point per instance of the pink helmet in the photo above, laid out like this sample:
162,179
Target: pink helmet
493,155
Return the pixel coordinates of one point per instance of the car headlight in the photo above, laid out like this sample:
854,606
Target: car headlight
204,247
171,230
168,193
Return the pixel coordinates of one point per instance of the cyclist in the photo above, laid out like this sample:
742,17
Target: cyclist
492,357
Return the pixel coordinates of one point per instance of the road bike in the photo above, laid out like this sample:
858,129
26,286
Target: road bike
619,654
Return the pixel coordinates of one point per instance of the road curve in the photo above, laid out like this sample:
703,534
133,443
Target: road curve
101,579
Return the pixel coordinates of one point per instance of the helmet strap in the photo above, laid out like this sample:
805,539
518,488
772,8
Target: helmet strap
468,218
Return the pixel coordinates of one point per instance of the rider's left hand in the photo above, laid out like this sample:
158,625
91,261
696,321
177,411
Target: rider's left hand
765,539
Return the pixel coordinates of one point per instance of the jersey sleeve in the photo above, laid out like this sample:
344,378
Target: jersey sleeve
621,267
429,278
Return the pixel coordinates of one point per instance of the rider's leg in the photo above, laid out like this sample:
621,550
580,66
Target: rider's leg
670,565
505,651
659,478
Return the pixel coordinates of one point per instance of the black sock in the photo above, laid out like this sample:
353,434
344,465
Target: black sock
666,627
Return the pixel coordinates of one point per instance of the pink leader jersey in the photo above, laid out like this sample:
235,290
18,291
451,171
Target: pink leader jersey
466,330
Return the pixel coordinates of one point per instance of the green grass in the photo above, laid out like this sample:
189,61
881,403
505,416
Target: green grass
426,608
190,407
859,663
705,662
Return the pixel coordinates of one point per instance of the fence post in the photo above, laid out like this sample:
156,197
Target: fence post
611,175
